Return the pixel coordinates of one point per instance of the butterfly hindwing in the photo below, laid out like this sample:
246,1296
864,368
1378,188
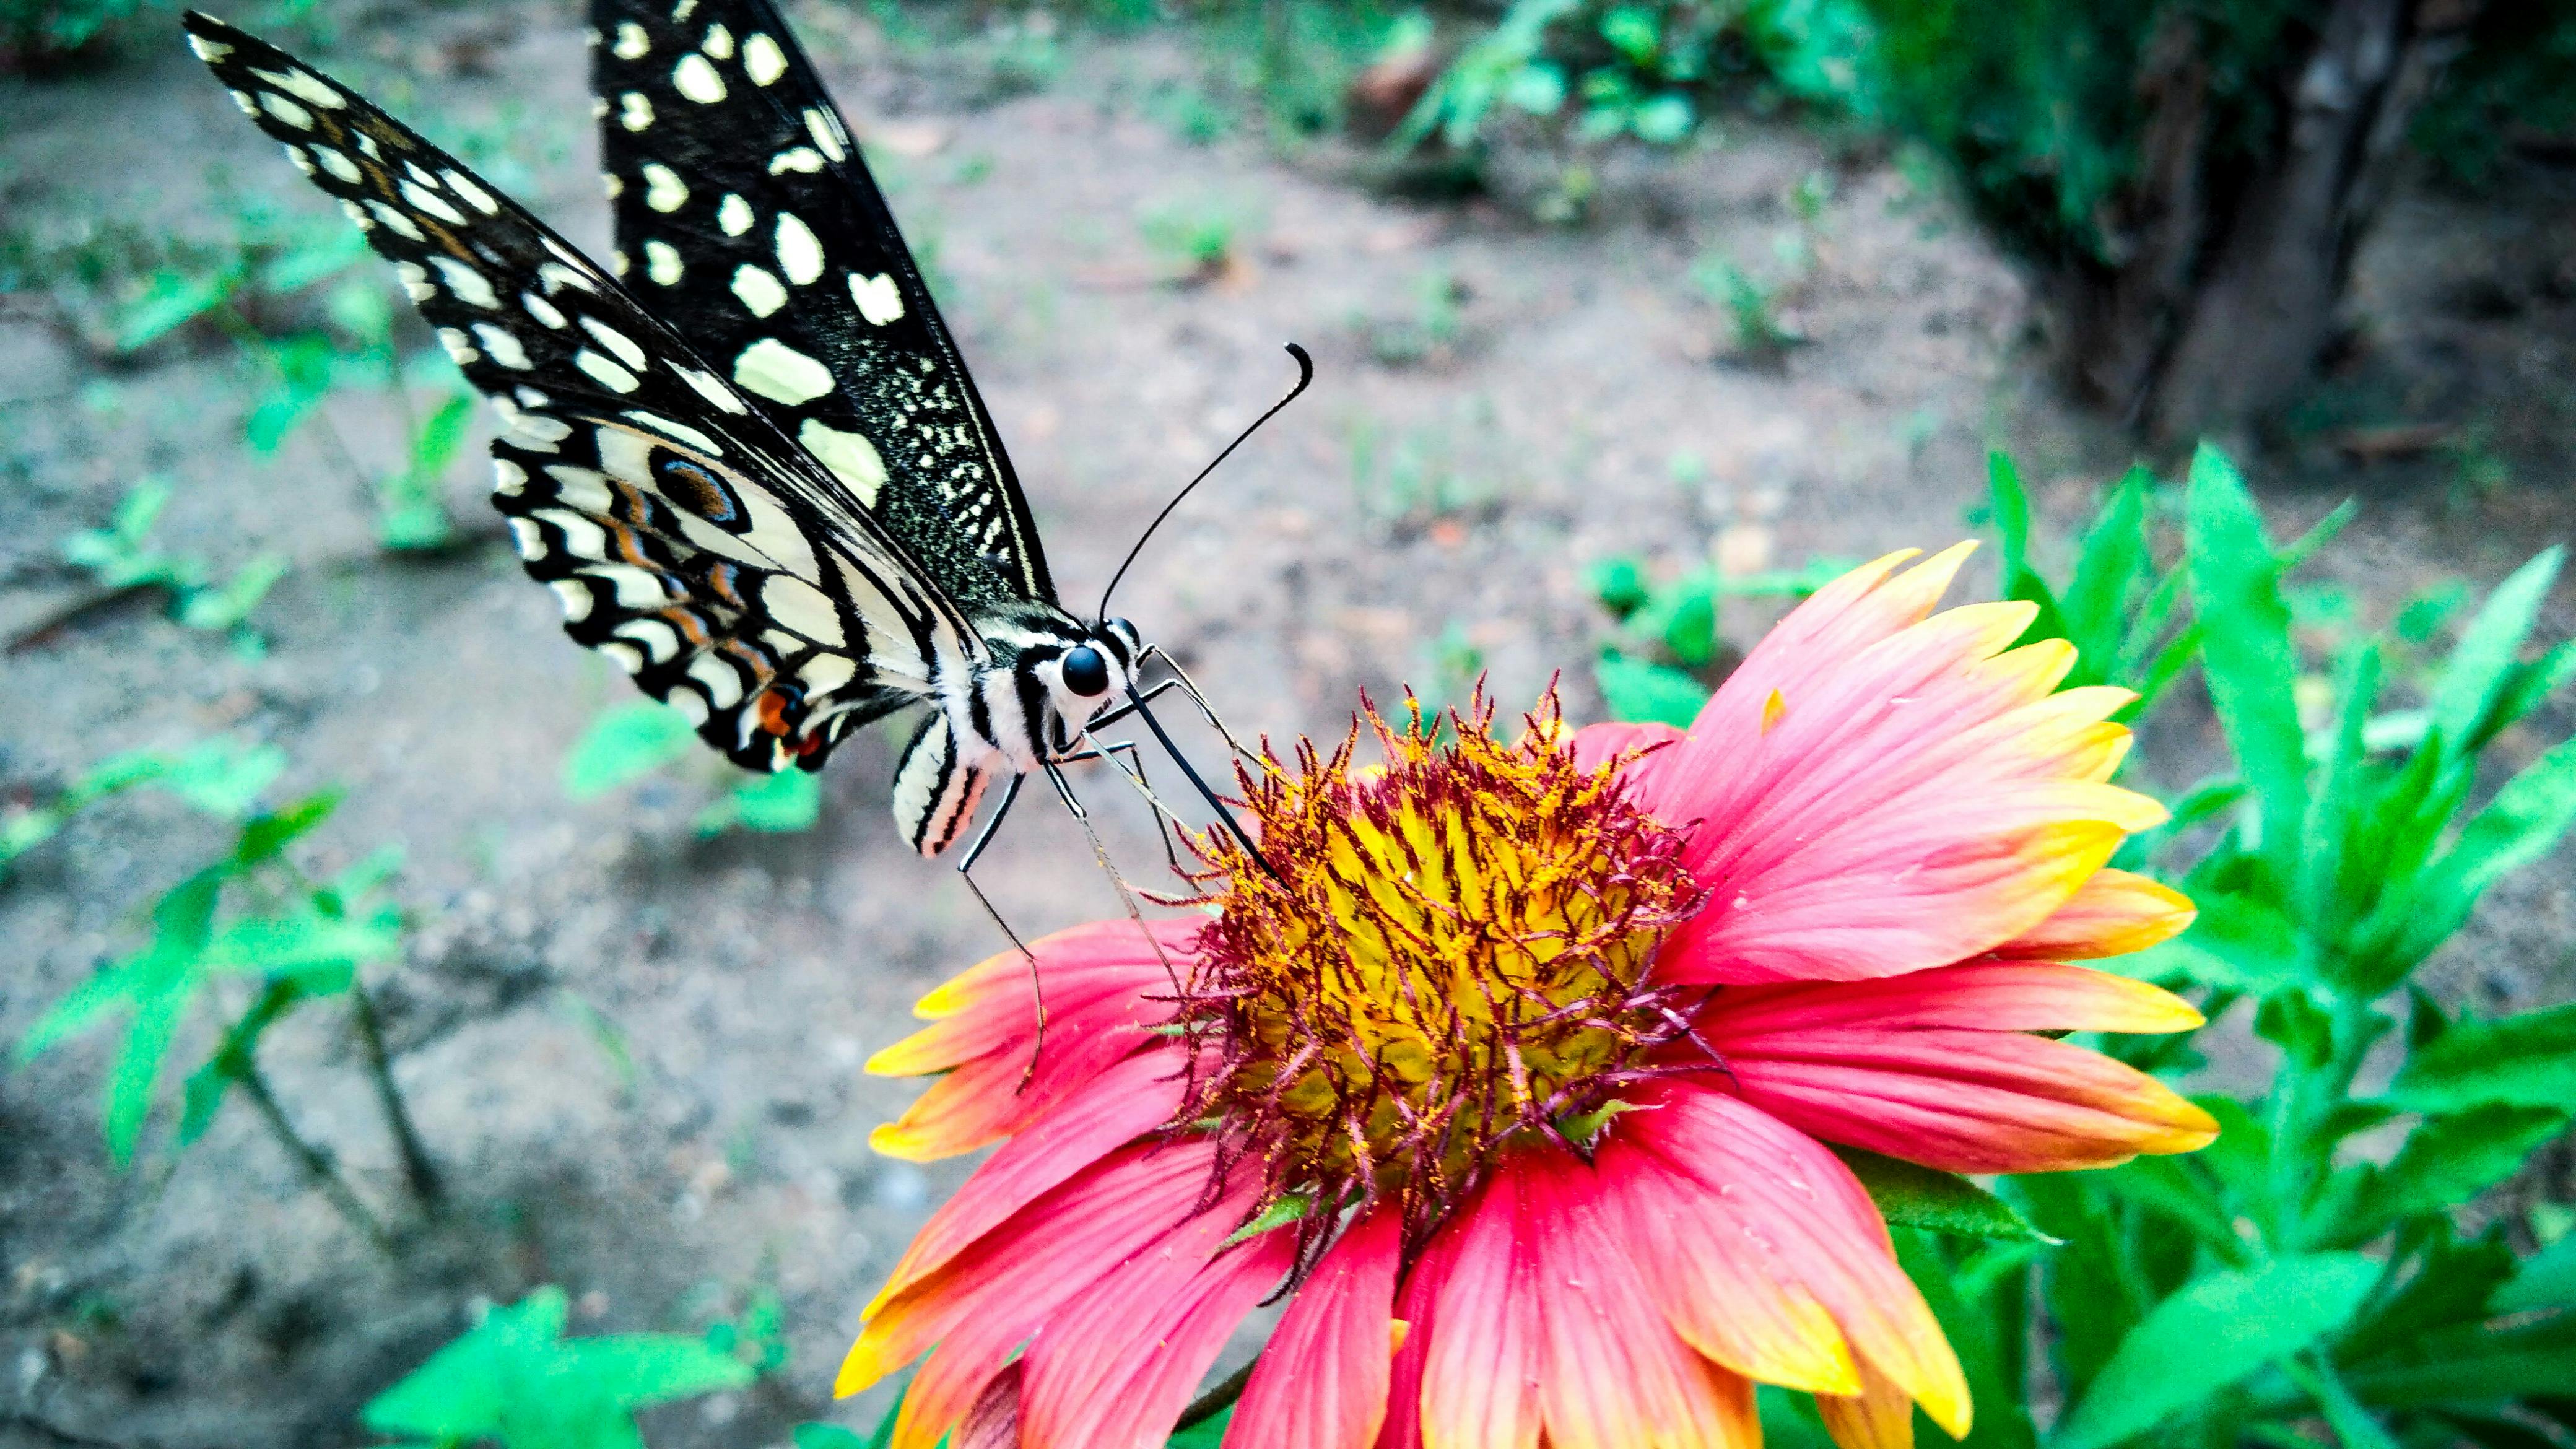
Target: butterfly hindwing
715,560
746,218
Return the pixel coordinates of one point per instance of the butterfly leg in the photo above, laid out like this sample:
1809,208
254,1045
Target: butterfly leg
1130,761
1181,677
1126,897
1037,988
1164,738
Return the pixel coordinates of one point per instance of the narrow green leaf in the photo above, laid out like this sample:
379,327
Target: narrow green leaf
2177,1190
2527,1060
2245,647
2446,1162
2220,1329
624,745
2482,663
138,1070
2352,1425
2012,514
644,1369
1207,1433
264,837
1912,1196
1648,693
2111,568
2547,1279
2523,823
2524,689
1984,1316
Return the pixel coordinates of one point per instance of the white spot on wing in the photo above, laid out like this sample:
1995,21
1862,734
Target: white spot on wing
430,203
607,373
659,639
633,111
802,158
827,672
508,478
458,346
575,596
852,458
759,291
673,429
401,224
286,110
615,341
302,162
543,310
780,373
337,162
722,683
305,86
706,386
690,703
879,299
632,42
800,255
208,51
556,276
827,134
536,433
719,42
733,214
762,59
467,283
662,263
531,540
802,607
663,188
475,196
503,348
415,281
695,78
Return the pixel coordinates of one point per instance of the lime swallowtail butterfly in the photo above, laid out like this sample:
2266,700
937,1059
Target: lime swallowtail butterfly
751,464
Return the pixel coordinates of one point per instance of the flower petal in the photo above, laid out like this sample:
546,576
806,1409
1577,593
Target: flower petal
1322,1381
1115,1368
1115,1108
1615,1376
2008,996
1009,1279
1486,1347
1964,1101
994,1422
2112,914
1880,1416
1793,1216
1105,987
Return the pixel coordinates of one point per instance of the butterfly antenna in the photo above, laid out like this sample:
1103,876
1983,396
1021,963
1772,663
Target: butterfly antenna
1305,375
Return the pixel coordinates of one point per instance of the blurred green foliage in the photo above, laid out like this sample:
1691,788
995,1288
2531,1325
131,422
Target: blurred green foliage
641,738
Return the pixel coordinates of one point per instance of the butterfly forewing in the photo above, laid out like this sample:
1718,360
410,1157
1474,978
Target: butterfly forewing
746,219
732,575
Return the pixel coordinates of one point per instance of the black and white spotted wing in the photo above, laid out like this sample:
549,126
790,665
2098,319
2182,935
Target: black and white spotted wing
690,540
746,218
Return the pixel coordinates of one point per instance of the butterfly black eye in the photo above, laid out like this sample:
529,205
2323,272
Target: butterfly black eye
1085,672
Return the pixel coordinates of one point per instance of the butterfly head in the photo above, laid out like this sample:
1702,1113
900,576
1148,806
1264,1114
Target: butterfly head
1098,665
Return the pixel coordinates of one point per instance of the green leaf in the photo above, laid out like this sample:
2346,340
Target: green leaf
2443,1283
2473,1365
2446,1162
227,606
221,778
825,1436
171,300
2527,1060
138,1069
1207,1433
1912,1196
2482,663
2547,1279
1619,584
2245,648
2178,1191
1789,1420
264,837
2011,503
1682,617
2113,565
2352,1425
1643,693
2219,1329
2239,942
513,1377
624,745
788,801
2521,824
1981,1301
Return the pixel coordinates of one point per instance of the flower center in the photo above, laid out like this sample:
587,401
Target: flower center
1453,950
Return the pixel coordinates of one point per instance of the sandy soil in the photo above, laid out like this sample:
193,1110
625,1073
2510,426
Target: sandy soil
1573,397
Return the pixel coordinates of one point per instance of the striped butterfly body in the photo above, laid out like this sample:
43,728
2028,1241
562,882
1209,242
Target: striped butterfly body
751,464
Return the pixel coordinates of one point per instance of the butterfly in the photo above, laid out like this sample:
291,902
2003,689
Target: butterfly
746,457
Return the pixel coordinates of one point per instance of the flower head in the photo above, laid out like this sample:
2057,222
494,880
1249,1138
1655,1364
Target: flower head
1515,1062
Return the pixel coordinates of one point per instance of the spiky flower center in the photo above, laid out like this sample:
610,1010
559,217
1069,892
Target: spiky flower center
1427,960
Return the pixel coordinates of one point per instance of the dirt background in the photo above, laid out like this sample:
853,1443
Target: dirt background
1425,512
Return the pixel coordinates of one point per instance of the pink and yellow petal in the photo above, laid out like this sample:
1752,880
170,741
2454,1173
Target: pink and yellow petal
2008,996
1770,1190
1880,1416
1321,1383
1042,1255
1486,1348
2112,914
1963,1100
1616,1375
1126,1102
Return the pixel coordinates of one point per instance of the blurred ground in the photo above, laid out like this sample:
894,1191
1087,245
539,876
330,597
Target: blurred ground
1498,403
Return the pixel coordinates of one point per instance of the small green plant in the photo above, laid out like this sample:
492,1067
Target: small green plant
251,916
640,739
219,777
1751,306
1414,479
513,1380
120,558
1196,239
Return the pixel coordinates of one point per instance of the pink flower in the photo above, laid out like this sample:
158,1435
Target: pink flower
1518,1072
